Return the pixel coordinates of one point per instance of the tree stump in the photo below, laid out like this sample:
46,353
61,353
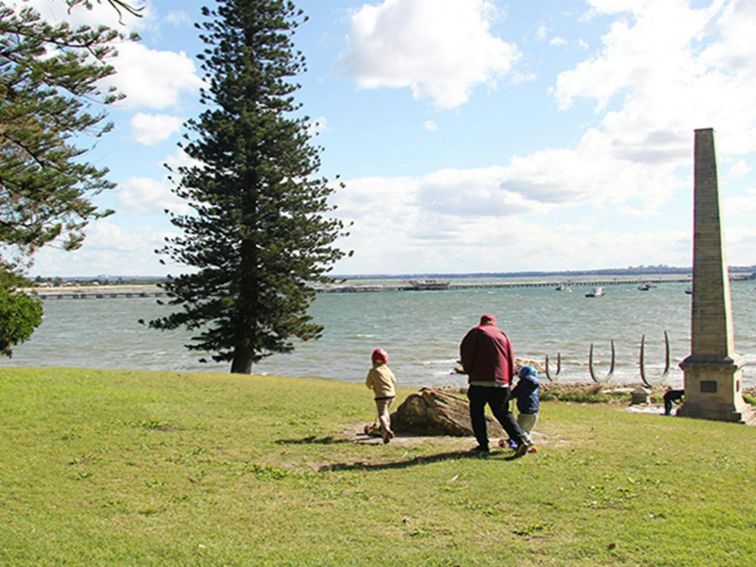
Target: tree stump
438,412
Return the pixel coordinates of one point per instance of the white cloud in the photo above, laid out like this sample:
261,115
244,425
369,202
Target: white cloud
741,242
459,220
146,195
463,221
180,159
665,85
317,126
430,125
108,249
518,78
113,245
741,205
630,164
640,47
673,69
108,236
440,49
542,34
149,196
149,129
661,70
151,78
178,18
738,169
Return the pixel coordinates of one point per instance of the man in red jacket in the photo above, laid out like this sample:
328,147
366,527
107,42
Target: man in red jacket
488,360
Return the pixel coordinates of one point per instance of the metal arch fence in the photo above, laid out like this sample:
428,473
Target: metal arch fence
644,376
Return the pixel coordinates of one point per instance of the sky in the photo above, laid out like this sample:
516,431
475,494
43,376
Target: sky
471,135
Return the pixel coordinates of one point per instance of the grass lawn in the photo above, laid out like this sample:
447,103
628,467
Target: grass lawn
167,468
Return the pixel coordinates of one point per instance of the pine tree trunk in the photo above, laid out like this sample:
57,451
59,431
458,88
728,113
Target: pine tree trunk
242,363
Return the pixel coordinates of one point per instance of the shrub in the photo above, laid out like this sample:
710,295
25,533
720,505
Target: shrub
20,315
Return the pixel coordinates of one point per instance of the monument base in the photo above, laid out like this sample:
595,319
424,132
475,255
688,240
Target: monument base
712,390
717,413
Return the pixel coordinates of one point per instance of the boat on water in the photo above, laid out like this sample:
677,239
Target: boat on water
645,286
595,292
562,287
428,284
689,290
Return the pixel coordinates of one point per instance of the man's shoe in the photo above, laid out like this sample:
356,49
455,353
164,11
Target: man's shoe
479,450
532,449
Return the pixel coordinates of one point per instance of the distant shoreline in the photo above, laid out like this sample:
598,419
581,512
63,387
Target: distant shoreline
378,284
348,286
643,272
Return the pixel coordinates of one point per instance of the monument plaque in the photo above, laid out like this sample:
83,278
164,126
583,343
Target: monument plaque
712,371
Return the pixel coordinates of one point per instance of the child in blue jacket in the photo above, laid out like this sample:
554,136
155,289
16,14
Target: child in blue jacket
526,394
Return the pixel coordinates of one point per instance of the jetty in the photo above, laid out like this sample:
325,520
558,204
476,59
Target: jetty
355,286
96,291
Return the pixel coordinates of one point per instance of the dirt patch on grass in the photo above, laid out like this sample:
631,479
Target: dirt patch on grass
657,409
355,434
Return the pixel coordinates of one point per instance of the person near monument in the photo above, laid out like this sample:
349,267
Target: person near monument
671,396
488,360
526,392
381,380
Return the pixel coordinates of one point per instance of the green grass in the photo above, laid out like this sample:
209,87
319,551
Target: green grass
166,468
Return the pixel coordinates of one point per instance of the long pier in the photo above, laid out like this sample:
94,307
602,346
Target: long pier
352,287
356,286
96,291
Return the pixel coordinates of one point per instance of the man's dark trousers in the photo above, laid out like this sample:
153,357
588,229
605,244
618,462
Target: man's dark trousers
498,400
669,397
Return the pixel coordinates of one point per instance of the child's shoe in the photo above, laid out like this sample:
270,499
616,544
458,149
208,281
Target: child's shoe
511,443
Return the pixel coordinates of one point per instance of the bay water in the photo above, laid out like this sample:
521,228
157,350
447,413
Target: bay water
421,330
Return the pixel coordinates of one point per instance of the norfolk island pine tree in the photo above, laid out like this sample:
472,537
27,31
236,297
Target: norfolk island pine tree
258,236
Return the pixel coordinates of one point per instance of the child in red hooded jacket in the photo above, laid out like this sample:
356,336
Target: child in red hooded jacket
381,380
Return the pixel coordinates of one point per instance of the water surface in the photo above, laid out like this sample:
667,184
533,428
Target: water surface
420,329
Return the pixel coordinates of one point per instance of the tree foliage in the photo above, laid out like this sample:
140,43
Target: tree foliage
50,99
49,94
20,314
259,235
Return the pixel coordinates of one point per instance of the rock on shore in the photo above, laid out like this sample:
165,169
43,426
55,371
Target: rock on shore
437,412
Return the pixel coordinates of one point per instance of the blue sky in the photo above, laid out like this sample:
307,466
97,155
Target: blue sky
472,135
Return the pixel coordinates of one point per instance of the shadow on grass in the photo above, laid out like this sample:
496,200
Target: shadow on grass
312,440
424,460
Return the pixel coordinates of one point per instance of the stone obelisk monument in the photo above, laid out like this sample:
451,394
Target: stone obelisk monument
713,370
